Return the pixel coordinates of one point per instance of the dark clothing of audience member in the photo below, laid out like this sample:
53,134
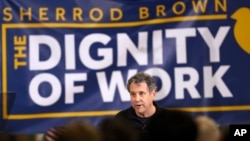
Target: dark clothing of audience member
77,131
117,130
172,125
225,133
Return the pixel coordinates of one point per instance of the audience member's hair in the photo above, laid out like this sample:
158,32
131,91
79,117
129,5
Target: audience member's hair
225,133
117,130
79,131
208,129
173,125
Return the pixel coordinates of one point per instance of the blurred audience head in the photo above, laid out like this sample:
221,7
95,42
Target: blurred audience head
117,130
208,129
225,133
79,131
173,125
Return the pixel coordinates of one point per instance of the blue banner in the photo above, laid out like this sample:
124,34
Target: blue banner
62,61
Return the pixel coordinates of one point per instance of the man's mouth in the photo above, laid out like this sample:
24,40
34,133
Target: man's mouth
138,105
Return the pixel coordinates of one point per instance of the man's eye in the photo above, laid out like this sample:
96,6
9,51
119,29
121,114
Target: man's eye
132,94
141,94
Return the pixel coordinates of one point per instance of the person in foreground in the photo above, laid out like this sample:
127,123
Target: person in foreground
174,126
117,130
208,129
76,131
149,119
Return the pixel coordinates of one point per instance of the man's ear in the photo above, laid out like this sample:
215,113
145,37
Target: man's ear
154,93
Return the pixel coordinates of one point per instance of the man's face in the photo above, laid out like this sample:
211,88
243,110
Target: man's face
140,97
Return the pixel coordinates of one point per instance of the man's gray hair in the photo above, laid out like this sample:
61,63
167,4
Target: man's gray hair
143,77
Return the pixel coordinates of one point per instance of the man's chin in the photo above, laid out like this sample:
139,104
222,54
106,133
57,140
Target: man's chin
139,111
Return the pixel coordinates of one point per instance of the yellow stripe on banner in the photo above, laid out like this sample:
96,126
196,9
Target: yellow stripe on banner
119,24
111,113
61,115
4,72
215,108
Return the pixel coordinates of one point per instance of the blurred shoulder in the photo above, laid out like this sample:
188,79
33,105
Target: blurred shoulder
124,113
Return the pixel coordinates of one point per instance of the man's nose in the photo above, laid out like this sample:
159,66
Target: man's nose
137,97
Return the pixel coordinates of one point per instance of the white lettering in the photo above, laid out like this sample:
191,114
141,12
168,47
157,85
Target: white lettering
214,44
139,53
34,53
165,80
181,44
70,57
116,80
157,47
239,132
211,81
35,95
70,88
189,84
104,53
